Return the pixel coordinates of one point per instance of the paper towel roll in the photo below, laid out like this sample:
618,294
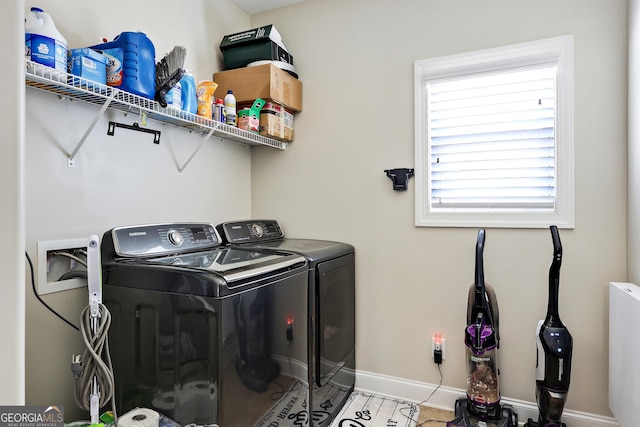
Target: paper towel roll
139,417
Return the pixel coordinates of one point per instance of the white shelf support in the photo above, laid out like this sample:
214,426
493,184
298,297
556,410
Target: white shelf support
206,138
103,109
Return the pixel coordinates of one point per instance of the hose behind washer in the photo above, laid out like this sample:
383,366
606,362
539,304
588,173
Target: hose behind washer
96,348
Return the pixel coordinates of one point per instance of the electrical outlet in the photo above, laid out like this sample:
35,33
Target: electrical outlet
438,343
52,266
289,329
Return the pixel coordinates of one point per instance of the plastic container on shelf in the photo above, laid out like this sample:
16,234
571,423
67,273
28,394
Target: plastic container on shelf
218,111
174,97
44,44
204,94
230,108
189,99
132,63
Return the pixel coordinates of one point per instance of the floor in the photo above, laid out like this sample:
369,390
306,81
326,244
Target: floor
432,417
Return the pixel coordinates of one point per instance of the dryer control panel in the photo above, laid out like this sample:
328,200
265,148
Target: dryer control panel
160,239
251,231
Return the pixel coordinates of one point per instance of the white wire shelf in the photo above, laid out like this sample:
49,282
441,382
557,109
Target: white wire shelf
68,85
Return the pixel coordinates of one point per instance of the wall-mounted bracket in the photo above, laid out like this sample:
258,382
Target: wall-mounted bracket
135,127
181,169
399,177
88,131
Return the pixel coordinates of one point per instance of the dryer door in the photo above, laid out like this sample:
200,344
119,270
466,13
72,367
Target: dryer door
335,320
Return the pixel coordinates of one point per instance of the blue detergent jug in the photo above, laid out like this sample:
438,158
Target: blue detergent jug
189,98
132,63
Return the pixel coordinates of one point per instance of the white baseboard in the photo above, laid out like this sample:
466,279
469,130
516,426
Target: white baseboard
445,397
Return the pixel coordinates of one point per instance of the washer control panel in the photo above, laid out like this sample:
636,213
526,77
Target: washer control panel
252,231
159,239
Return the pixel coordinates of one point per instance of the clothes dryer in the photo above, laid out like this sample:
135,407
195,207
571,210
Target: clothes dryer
331,276
204,333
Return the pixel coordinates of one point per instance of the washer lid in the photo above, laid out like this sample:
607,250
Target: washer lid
234,264
313,250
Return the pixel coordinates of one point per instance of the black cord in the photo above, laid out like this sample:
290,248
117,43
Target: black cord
426,400
276,395
33,286
435,389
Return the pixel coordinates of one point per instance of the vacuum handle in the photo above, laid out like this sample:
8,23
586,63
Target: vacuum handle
557,245
479,282
554,279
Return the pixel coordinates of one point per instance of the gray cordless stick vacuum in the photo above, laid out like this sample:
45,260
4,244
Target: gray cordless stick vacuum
555,346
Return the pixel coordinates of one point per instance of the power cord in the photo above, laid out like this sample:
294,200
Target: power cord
33,286
427,399
97,360
276,395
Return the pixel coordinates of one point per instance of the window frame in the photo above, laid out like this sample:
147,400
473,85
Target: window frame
557,51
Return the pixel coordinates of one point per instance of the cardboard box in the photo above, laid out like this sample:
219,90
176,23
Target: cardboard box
89,64
258,44
272,127
264,81
276,122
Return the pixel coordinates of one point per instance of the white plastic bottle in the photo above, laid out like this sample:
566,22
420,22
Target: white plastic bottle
230,108
174,97
43,42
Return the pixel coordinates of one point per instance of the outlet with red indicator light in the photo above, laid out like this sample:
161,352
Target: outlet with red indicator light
437,348
289,329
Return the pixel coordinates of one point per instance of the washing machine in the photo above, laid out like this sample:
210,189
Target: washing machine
201,332
331,276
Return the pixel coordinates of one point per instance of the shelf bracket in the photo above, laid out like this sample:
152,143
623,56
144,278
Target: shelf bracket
104,107
181,169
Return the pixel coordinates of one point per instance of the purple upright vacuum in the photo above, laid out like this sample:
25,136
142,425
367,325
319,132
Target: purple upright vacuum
482,339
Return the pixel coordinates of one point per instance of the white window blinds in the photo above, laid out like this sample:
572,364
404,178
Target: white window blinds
494,137
492,141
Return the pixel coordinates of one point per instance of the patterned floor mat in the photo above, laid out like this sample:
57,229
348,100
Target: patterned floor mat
368,410
291,410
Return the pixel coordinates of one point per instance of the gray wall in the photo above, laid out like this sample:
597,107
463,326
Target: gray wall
355,59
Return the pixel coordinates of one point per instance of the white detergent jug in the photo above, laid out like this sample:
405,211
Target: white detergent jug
43,42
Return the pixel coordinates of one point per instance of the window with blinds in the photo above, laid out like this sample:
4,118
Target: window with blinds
492,141
494,137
